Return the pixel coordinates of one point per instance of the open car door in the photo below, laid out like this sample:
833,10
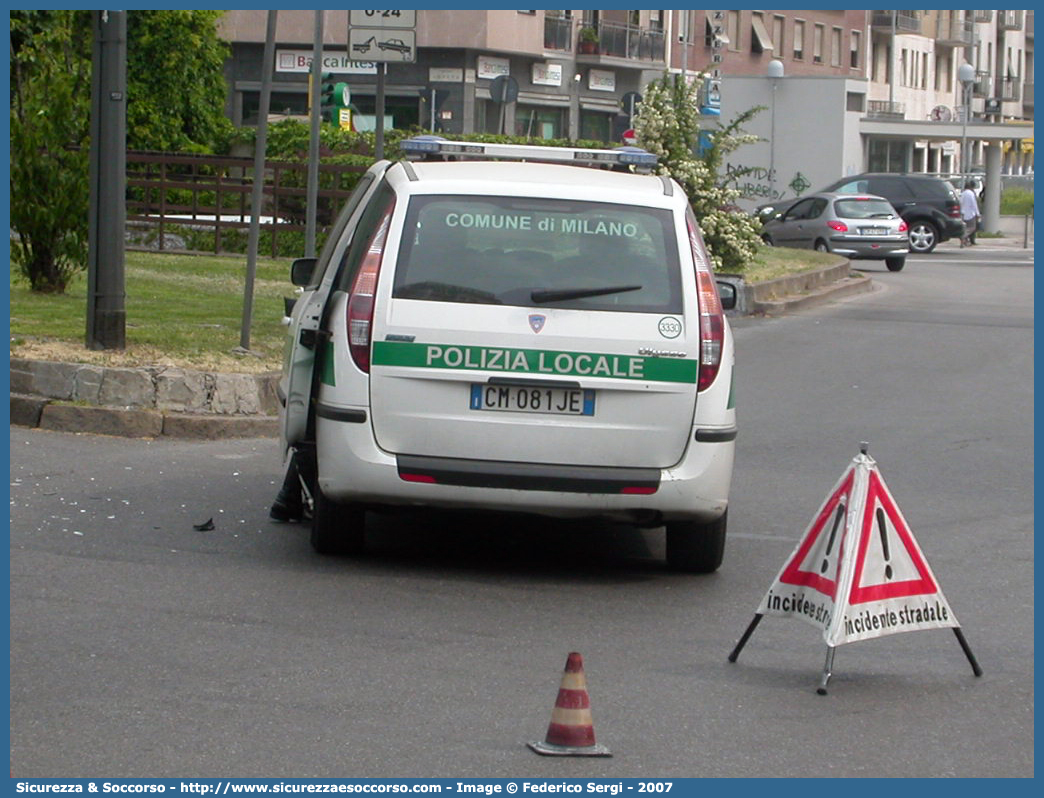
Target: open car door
316,276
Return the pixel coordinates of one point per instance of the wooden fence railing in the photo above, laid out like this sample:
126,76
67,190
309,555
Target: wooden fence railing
205,200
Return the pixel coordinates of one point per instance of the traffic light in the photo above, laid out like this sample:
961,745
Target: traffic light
327,92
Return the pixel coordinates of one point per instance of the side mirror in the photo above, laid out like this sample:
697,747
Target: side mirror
727,294
301,271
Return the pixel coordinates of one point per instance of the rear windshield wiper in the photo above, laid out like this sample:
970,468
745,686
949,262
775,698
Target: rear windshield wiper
542,295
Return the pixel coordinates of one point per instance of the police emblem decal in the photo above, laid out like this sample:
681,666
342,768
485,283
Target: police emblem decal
536,322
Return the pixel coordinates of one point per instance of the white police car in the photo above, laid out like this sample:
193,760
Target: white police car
497,327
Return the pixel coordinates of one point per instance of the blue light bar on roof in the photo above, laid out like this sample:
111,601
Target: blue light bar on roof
428,146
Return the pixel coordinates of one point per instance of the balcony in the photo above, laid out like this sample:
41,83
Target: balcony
620,40
1009,20
1009,89
905,21
953,31
884,109
983,85
558,33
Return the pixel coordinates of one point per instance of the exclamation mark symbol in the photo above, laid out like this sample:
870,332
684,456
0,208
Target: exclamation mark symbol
833,533
884,541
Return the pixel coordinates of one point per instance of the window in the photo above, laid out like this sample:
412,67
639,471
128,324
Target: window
499,250
760,41
800,210
835,47
864,208
538,122
942,72
817,45
732,29
777,33
853,55
799,39
855,101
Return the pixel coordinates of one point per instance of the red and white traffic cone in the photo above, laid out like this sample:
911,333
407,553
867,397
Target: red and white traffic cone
571,732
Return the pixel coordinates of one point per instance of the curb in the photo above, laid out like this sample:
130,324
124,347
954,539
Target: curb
41,413
152,403
796,292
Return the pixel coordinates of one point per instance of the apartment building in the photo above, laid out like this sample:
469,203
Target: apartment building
843,91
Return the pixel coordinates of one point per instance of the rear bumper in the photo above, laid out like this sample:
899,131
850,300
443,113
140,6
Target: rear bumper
352,468
860,249
954,228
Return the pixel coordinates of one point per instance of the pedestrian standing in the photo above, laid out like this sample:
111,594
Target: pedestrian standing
969,213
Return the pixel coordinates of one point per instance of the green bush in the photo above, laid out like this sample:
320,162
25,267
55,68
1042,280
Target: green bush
1017,202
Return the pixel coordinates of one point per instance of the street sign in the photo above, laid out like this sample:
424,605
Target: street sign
503,89
379,44
389,18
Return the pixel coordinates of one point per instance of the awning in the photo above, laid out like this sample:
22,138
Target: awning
761,36
721,36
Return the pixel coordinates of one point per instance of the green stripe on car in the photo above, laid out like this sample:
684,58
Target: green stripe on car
539,362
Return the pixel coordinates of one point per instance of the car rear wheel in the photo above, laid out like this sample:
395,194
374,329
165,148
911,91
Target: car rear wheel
822,246
696,547
767,240
923,236
337,528
895,264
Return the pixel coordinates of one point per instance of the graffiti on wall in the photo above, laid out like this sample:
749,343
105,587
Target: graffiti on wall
759,183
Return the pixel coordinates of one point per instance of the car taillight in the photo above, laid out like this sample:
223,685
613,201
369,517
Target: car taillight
903,227
840,227
360,300
712,317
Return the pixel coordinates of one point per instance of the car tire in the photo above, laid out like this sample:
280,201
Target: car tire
337,528
924,235
695,547
822,246
895,264
767,240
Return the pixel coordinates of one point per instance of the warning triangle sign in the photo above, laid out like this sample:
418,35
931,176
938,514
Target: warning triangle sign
857,572
889,563
815,561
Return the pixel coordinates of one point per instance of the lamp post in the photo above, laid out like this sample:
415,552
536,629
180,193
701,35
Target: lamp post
775,72
966,76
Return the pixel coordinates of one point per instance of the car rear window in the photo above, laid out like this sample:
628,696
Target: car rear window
526,251
862,208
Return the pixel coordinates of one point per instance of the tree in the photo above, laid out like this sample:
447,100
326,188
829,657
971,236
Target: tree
176,88
175,102
50,111
667,123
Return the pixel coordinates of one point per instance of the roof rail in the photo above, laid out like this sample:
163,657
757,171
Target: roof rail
437,148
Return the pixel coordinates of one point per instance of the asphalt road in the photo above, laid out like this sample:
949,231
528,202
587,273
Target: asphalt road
142,646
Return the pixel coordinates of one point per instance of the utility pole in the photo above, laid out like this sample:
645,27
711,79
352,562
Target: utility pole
313,144
256,193
106,314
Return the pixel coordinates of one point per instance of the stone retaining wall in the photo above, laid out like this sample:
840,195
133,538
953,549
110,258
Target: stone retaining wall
166,389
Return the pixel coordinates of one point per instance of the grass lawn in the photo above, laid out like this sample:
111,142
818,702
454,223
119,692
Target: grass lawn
180,309
187,310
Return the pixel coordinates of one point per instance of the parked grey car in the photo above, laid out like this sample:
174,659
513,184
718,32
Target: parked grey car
860,227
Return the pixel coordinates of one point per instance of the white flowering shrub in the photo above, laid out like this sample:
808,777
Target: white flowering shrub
667,123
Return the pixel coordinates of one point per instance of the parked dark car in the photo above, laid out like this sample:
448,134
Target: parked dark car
929,205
